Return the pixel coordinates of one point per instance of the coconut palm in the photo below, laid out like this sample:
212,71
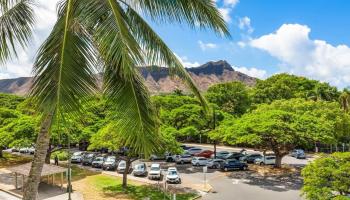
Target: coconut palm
344,100
107,36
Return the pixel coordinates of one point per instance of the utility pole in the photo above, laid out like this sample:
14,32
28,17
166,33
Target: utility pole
214,122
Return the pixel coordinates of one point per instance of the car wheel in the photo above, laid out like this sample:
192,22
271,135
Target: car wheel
225,169
182,162
197,164
262,163
180,181
245,168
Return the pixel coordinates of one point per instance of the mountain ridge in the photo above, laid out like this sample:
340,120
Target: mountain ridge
158,79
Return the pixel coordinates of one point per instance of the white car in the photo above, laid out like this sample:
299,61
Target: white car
77,157
122,166
194,150
155,172
24,150
266,160
173,176
199,161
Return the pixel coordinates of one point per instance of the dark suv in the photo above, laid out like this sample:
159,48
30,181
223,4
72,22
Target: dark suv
233,164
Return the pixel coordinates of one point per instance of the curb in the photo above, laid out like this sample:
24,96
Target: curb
11,193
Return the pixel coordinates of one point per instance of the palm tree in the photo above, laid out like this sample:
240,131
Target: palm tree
344,100
108,36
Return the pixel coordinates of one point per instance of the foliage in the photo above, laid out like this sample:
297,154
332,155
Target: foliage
286,124
62,155
285,86
231,97
327,178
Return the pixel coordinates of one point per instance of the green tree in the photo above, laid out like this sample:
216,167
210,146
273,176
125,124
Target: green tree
231,97
327,178
285,86
114,33
286,124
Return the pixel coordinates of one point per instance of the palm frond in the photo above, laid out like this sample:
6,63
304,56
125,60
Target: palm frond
64,68
199,13
16,26
158,53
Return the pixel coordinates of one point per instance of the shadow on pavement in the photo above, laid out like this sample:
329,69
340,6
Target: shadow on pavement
278,183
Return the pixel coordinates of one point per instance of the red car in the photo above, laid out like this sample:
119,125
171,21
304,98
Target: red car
205,154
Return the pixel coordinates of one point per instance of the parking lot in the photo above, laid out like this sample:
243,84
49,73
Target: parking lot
216,184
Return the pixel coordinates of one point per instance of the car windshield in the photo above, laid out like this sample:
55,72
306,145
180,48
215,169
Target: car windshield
110,159
90,155
122,164
172,173
99,159
139,167
155,169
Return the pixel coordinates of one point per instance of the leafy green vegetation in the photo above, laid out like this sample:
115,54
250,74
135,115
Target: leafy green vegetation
327,178
113,186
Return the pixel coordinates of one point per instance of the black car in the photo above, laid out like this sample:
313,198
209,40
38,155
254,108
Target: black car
233,164
250,158
234,155
88,158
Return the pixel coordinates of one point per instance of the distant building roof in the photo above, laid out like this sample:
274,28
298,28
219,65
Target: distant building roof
47,169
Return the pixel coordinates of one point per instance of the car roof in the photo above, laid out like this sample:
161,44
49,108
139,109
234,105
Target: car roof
172,169
155,165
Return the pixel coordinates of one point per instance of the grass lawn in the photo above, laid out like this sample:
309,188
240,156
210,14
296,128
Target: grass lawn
10,160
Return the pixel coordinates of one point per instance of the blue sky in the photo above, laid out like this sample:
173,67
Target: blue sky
304,37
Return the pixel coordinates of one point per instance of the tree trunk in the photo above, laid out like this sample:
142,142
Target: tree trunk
48,155
31,187
278,162
1,155
214,149
126,172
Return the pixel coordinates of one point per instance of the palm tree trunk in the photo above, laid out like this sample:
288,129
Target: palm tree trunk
48,155
1,155
42,144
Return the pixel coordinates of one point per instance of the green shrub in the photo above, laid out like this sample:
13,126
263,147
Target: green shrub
62,155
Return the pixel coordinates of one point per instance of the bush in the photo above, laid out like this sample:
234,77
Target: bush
62,155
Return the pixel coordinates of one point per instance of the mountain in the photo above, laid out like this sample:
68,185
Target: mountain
158,79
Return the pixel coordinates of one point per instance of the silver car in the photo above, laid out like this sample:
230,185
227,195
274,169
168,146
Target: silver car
215,163
140,170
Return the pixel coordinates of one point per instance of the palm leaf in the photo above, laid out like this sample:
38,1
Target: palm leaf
64,68
16,26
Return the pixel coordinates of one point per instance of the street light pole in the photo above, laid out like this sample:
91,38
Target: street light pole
214,122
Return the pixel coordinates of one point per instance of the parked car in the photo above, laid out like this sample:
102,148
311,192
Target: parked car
24,150
250,158
98,162
31,150
265,160
298,153
233,164
233,155
157,157
184,147
88,158
15,149
140,170
194,150
110,163
215,163
182,159
205,154
77,157
155,172
122,166
221,154
199,161
173,176
170,157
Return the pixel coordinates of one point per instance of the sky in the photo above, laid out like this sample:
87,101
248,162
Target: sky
303,37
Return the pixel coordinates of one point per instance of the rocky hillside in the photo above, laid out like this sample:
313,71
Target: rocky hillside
158,79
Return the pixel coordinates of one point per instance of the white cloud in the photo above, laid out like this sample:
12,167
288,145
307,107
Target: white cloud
225,12
241,44
205,46
301,55
244,24
231,3
185,62
253,72
45,12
